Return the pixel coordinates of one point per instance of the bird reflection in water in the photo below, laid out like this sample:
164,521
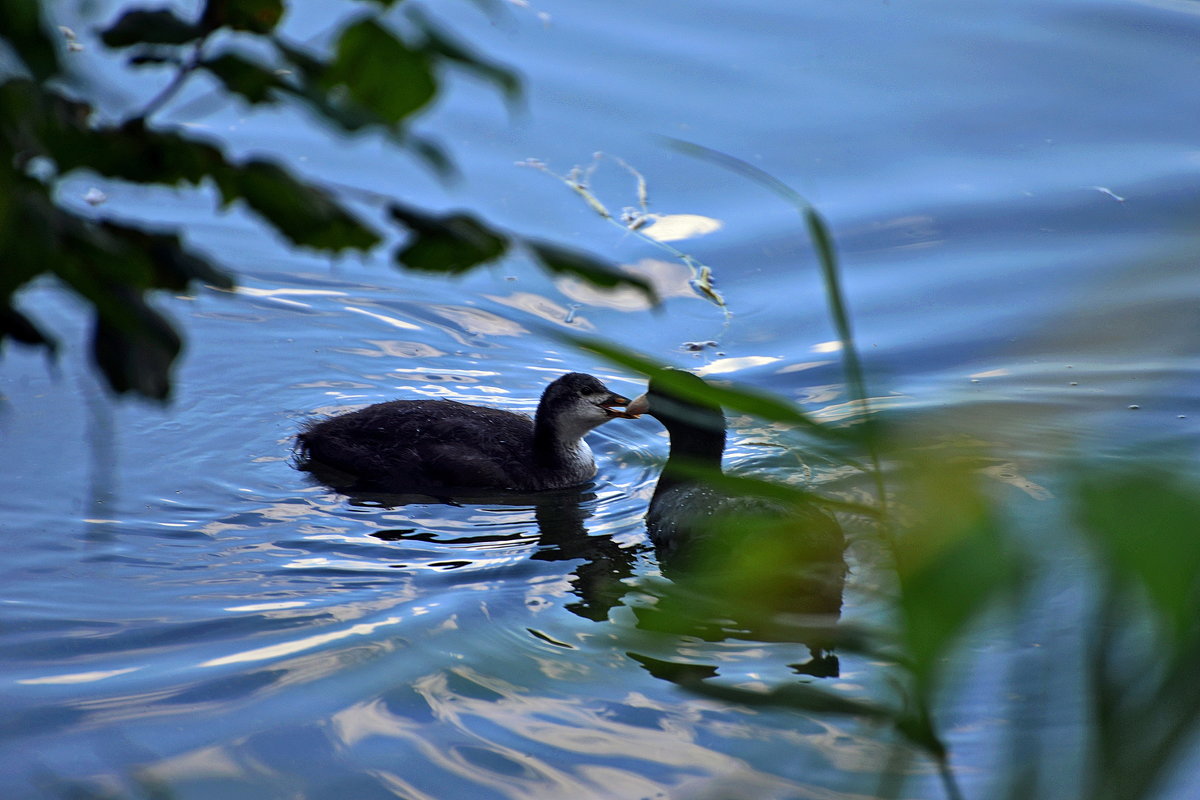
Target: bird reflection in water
741,566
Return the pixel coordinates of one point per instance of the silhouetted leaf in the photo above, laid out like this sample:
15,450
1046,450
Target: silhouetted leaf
310,67
134,152
172,267
255,16
380,72
156,26
440,42
564,261
314,85
15,325
154,60
450,243
135,349
253,82
25,31
431,153
305,214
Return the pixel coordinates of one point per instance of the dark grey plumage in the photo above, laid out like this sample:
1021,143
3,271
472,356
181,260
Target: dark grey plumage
686,509
439,446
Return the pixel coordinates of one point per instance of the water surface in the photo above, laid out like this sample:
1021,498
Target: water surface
1013,191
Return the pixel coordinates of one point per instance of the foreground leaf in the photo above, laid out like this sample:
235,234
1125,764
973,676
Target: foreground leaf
254,16
253,82
306,215
1145,525
135,350
953,562
157,26
382,73
25,33
744,399
564,261
18,327
451,243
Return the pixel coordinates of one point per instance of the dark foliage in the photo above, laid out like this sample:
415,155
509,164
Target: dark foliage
374,79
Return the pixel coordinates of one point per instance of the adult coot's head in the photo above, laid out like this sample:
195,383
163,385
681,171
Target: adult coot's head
677,404
576,403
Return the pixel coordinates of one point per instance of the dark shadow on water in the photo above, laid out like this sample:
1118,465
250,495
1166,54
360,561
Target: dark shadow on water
796,603
560,516
599,580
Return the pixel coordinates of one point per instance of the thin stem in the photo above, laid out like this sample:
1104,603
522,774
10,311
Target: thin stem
835,297
185,70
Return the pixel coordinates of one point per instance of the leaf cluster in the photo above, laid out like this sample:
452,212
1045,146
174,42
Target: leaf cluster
373,77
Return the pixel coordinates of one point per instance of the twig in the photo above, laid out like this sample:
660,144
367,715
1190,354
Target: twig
176,83
838,308
632,220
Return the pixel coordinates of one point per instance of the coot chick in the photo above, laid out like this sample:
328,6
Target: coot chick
443,446
686,511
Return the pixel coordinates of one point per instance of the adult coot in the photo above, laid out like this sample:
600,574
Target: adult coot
745,566
439,446
686,509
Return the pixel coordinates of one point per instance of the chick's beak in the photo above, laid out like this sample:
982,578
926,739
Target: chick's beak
616,400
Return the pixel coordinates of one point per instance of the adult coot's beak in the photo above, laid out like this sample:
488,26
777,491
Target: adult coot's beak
637,406
616,400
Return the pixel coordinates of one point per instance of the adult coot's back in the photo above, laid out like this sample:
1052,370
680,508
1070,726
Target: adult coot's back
444,445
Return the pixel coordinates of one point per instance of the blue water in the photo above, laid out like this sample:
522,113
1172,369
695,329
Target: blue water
1013,188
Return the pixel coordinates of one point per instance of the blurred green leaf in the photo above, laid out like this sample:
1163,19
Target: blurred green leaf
309,66
441,43
306,215
253,82
450,243
254,16
18,327
29,114
313,87
155,60
135,348
740,398
953,562
380,72
374,79
564,261
745,485
28,218
154,26
135,152
431,153
112,265
25,31
171,265
1146,526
